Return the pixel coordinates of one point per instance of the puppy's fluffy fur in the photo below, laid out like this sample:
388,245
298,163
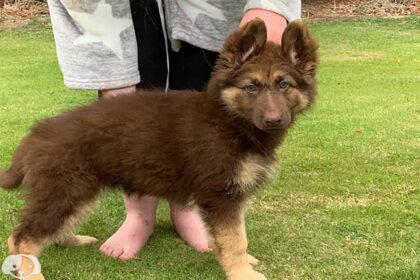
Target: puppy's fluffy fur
212,148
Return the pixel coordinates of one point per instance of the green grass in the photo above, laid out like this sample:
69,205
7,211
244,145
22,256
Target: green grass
345,203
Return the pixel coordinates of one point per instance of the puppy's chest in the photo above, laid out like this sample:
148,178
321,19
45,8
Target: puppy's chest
250,172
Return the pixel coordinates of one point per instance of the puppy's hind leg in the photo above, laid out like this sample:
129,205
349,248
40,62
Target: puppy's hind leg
67,237
53,207
78,240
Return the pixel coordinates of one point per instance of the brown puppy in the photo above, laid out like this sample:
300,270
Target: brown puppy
212,148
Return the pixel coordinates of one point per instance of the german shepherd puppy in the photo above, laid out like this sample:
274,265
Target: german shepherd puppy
212,148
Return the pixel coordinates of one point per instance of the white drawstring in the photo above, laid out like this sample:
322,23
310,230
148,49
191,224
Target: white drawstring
165,36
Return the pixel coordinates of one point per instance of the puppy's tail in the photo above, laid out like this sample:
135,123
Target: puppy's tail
10,178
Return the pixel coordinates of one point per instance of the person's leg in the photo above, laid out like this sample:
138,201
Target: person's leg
152,67
153,70
140,218
106,93
190,69
138,226
190,227
139,223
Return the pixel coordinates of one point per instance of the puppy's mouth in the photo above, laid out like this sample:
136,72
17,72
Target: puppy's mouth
274,128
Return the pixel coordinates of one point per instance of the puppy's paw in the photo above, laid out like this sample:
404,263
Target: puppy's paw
86,240
79,240
252,260
246,273
35,277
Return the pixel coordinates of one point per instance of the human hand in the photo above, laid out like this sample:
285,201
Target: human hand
275,23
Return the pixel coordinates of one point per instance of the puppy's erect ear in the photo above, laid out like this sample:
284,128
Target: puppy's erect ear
300,48
244,43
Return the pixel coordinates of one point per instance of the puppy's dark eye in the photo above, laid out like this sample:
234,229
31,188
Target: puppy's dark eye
284,84
251,89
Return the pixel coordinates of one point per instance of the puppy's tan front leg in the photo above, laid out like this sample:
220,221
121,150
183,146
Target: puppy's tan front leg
231,245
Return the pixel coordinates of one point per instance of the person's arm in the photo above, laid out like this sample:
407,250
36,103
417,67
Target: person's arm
275,14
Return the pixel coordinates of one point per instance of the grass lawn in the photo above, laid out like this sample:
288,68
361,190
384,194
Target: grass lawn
345,203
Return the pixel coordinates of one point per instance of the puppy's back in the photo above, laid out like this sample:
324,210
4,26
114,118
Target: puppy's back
111,135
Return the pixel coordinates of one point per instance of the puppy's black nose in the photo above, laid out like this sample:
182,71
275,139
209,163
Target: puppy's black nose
272,118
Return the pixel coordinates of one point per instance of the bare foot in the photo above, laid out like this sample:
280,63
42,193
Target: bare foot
133,234
190,227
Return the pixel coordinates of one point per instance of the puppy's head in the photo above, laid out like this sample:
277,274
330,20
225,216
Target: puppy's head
263,82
